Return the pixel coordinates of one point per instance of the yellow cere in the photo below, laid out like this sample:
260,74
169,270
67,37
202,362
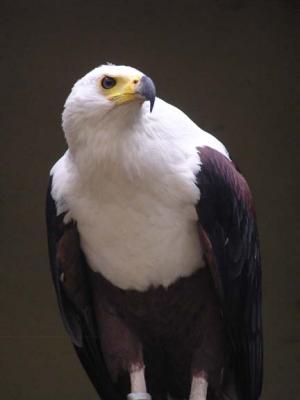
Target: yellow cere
124,90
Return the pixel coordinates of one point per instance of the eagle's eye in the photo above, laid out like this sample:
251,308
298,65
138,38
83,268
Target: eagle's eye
108,82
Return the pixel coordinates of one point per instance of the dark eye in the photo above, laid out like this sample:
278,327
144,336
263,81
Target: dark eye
108,82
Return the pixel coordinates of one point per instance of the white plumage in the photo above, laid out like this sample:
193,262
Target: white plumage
128,180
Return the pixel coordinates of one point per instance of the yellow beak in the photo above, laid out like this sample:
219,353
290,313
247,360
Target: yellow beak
140,87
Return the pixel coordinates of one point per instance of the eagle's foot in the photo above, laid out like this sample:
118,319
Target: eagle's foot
138,396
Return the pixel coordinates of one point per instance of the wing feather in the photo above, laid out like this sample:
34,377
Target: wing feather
227,223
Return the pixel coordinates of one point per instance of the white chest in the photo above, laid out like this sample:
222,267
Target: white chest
129,184
139,237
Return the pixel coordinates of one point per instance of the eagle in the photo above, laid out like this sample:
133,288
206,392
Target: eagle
153,247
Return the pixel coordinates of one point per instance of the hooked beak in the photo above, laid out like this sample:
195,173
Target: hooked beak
136,88
146,89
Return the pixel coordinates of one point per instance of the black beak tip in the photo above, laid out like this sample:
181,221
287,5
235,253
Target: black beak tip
152,101
147,89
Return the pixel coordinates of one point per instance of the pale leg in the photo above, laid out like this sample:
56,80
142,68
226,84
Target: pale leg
137,380
138,385
198,388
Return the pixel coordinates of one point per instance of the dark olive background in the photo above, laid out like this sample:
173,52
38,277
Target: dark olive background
232,66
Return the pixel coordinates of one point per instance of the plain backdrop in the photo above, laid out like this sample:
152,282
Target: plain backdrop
232,66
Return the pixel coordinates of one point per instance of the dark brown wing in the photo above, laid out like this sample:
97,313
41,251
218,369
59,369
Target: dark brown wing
71,282
228,230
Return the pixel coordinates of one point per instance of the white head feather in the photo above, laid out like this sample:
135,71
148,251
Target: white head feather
98,129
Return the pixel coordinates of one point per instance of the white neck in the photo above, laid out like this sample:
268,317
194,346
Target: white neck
131,141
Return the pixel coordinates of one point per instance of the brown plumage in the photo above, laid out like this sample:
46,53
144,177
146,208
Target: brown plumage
186,316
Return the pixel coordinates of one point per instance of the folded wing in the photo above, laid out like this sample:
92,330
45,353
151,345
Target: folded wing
228,231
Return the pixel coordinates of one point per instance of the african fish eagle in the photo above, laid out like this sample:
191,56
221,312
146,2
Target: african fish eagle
153,247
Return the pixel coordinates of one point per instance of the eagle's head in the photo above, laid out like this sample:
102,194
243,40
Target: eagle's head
103,96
